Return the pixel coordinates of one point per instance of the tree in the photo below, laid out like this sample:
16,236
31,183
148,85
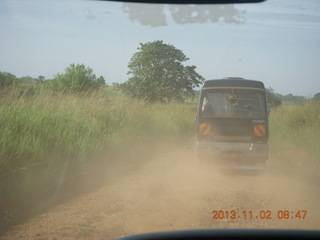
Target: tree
273,98
77,78
159,75
7,79
293,99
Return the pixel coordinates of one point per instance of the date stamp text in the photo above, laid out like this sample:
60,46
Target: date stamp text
262,214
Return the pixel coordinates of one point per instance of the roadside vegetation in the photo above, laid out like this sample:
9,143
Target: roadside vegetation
51,128
70,118
54,122
294,136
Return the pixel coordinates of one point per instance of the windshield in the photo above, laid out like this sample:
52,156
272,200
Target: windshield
101,113
237,105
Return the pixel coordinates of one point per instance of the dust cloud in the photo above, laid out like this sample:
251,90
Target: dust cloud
167,189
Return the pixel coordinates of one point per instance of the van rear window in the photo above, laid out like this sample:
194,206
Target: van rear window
236,104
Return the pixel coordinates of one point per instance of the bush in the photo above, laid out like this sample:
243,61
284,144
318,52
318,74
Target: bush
7,79
273,99
77,78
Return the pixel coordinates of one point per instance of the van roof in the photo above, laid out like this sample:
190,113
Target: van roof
233,82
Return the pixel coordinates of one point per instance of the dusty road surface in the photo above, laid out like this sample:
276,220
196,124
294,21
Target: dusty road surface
171,191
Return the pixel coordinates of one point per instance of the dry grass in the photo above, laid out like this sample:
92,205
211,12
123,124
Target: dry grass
294,135
52,128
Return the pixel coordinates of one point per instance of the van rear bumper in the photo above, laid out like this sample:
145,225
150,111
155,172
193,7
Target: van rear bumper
240,153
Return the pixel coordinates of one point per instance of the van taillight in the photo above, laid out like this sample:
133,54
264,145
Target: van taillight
204,128
259,130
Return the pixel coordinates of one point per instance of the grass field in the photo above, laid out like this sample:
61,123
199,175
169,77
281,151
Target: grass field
52,128
295,136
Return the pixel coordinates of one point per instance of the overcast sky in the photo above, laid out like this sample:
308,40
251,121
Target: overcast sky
277,42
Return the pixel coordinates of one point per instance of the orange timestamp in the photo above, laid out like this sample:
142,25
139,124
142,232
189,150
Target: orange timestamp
262,214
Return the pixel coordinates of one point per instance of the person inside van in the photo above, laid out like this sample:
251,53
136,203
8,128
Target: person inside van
207,107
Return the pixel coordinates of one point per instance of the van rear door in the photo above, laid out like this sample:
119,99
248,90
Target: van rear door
233,115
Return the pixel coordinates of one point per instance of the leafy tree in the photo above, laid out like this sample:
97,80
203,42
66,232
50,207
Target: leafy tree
273,98
7,79
159,75
294,99
76,78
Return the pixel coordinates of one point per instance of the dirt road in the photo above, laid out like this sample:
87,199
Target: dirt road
171,191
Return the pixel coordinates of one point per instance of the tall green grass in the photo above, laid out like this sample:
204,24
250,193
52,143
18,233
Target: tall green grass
295,135
52,128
